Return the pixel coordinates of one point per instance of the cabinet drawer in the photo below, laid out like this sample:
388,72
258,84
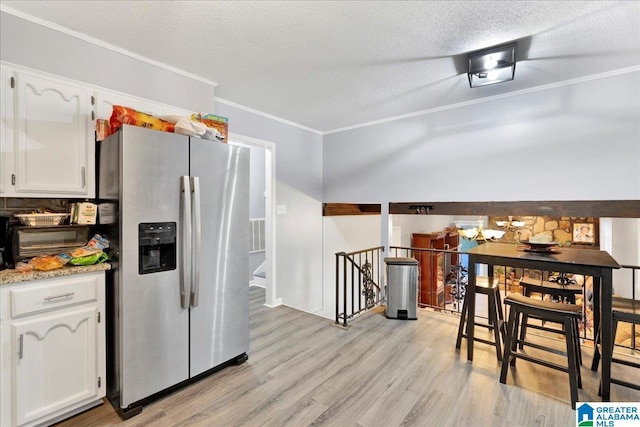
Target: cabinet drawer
54,294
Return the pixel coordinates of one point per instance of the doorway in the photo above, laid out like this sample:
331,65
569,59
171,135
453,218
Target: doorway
269,266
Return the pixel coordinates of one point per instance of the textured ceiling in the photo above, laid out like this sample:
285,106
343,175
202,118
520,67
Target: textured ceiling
330,65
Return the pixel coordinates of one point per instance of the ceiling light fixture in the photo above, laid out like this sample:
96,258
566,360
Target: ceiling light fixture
493,65
510,224
474,230
481,235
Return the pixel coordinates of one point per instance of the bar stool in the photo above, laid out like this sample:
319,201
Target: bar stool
496,316
623,310
555,289
566,292
567,314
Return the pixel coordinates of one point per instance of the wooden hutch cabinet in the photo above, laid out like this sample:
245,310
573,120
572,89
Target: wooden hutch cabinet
434,266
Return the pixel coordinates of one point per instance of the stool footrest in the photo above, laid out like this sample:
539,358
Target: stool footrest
480,340
625,362
542,347
486,325
540,362
485,341
545,328
625,383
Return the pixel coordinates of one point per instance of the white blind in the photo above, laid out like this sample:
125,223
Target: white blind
256,235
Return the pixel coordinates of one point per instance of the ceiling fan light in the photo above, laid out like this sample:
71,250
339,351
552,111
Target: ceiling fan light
492,65
492,75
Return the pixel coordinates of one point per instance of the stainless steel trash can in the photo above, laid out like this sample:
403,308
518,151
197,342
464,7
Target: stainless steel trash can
402,288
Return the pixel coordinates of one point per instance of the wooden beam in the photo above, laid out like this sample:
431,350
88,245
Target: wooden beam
576,208
335,209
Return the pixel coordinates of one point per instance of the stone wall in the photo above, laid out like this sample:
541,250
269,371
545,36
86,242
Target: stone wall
559,229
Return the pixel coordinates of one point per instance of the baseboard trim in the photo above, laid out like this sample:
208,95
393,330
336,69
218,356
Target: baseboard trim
276,303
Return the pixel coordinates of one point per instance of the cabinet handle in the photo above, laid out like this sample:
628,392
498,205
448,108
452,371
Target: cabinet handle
20,346
13,179
84,179
68,294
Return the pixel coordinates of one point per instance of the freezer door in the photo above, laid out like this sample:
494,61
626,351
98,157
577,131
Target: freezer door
220,305
154,327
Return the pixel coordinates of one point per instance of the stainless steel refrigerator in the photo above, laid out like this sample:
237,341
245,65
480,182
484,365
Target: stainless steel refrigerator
178,293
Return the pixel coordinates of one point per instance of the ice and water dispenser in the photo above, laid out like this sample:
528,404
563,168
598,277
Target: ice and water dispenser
156,247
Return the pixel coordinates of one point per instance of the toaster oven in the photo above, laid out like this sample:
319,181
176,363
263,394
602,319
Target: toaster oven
30,241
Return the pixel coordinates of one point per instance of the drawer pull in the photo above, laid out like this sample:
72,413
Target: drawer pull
68,294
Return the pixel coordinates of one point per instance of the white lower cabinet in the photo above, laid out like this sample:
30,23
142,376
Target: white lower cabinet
53,348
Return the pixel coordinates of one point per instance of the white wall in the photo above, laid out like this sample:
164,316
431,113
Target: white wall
41,48
410,224
299,189
579,141
344,234
256,198
625,248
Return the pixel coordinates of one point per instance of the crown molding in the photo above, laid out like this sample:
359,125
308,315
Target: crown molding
100,43
492,98
265,115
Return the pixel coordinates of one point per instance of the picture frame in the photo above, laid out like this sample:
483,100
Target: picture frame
584,233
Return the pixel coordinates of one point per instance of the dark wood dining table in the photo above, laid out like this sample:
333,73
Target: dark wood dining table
589,262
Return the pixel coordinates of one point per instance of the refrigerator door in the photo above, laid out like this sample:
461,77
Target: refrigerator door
154,327
220,302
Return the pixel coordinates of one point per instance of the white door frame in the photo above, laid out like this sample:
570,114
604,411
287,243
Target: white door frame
270,212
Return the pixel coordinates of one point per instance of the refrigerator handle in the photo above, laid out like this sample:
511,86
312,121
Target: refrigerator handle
197,241
185,194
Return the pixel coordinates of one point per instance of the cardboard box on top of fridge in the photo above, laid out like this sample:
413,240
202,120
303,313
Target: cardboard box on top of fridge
219,124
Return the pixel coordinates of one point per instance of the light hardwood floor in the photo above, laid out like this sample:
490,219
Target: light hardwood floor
303,370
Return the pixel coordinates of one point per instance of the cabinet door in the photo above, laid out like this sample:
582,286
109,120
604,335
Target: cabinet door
54,147
6,132
55,362
431,265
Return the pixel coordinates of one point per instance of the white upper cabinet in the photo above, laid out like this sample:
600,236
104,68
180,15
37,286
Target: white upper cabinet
6,133
48,137
47,132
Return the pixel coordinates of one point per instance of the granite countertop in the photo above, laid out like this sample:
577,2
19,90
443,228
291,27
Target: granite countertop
14,276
